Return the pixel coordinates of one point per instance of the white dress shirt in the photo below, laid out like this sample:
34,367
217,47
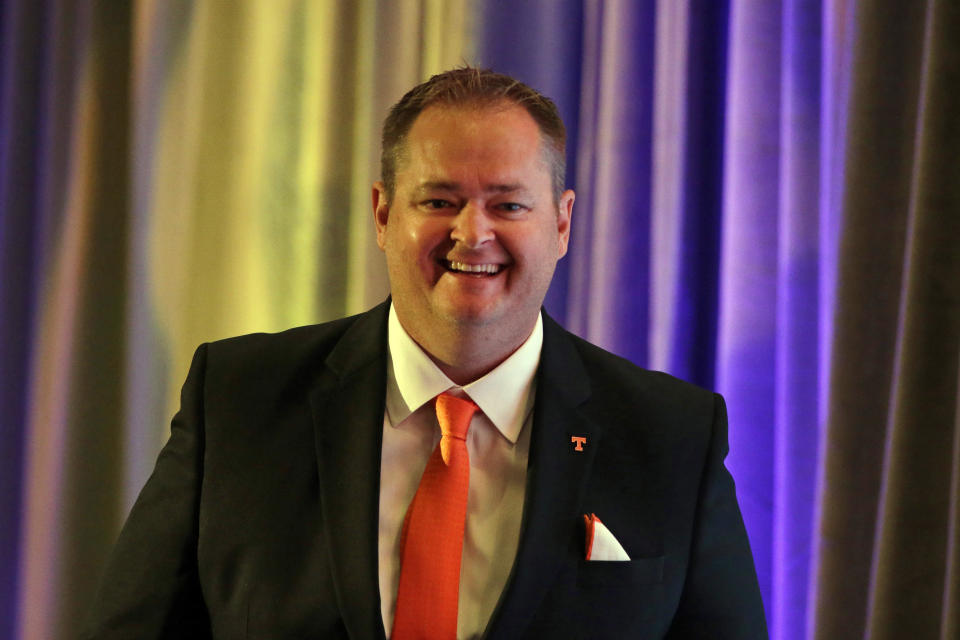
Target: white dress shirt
498,443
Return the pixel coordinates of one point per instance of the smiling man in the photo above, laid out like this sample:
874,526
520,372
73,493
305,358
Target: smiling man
472,232
451,463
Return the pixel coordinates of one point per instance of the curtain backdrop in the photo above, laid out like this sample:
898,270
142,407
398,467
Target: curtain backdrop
768,204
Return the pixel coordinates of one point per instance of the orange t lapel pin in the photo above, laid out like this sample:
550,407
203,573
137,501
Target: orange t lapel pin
579,441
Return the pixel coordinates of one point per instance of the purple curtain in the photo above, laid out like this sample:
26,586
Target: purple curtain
746,174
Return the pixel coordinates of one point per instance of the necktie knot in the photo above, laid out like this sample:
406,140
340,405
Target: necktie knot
454,415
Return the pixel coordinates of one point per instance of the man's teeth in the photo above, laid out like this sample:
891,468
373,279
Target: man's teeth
473,268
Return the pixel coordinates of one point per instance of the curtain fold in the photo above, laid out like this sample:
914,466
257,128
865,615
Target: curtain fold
746,342
21,60
798,354
879,151
911,554
612,218
686,278
74,422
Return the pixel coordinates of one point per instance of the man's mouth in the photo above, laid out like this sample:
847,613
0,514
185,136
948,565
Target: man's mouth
488,269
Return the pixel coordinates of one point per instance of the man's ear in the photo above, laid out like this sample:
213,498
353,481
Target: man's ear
381,211
564,213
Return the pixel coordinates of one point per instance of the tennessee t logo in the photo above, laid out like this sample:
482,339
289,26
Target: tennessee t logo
580,441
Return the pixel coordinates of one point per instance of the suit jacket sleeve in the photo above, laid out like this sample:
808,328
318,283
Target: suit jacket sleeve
721,596
150,588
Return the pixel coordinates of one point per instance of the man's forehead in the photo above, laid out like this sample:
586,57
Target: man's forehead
427,185
455,134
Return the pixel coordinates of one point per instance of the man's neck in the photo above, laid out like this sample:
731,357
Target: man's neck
465,369
467,353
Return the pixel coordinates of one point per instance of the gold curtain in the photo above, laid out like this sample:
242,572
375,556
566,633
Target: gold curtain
217,158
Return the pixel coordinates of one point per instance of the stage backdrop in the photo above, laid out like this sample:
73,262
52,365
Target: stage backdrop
768,204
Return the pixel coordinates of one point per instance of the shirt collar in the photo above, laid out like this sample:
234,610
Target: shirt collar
505,394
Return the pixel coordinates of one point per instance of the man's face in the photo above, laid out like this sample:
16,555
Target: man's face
472,234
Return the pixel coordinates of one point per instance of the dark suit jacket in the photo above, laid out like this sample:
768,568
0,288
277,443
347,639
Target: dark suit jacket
260,519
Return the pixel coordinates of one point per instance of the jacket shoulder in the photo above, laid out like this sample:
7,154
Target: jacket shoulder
292,357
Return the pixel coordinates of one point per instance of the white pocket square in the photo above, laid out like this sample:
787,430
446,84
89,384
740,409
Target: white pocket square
601,544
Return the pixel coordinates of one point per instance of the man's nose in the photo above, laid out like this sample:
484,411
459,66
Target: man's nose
471,226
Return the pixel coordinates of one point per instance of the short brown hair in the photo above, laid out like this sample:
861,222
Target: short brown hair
469,86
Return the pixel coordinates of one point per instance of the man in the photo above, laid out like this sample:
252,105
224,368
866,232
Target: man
306,490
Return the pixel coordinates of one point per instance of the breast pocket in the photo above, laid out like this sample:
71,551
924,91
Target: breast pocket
618,600
637,571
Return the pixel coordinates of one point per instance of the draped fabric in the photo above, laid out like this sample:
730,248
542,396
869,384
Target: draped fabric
768,204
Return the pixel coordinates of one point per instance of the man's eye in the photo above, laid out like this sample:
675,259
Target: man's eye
510,207
437,203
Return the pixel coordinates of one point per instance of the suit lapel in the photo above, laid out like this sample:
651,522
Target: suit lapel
556,473
348,405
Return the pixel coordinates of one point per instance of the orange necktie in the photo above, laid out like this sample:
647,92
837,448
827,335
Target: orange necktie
432,539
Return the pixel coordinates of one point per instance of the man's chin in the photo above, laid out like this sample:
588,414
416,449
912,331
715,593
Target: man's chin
471,316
